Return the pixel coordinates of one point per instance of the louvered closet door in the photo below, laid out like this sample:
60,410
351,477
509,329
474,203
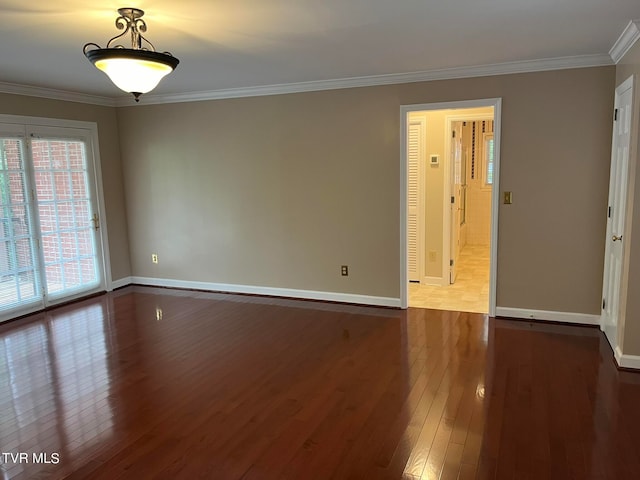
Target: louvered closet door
415,147
19,276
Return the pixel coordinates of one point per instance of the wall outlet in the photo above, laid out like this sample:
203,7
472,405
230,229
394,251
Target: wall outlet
344,270
154,257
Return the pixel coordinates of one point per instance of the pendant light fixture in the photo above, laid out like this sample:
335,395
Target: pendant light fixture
135,70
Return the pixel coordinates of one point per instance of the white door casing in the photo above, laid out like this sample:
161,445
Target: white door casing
616,213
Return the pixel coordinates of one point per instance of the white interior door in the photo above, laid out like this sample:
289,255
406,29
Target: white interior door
618,183
456,197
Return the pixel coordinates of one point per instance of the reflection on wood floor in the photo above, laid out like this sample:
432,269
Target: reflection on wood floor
470,292
155,383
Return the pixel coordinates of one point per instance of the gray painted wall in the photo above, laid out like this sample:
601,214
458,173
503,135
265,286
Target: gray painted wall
280,191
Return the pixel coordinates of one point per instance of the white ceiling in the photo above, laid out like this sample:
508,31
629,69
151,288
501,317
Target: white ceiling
224,44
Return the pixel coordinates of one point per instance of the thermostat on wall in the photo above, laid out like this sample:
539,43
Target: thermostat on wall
434,159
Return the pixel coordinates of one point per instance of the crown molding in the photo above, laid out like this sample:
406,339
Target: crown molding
625,41
527,66
53,94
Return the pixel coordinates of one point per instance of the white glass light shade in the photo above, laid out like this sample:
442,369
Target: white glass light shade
132,75
134,71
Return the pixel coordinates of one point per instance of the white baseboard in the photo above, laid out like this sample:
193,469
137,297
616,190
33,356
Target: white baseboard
270,291
123,282
627,361
564,317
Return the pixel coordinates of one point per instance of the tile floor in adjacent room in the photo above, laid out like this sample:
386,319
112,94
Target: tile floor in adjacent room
470,292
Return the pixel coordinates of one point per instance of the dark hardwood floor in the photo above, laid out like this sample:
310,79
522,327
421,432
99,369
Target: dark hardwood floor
153,383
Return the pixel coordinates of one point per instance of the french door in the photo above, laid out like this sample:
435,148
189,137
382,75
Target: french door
50,246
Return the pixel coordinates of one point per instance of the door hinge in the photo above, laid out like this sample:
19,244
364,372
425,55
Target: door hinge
603,303
453,134
615,115
453,199
609,212
451,263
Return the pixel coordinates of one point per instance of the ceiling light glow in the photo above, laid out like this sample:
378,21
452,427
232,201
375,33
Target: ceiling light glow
135,70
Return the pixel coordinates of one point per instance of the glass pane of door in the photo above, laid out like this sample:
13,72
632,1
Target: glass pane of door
65,213
19,280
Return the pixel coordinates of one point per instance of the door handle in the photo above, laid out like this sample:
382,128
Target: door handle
615,239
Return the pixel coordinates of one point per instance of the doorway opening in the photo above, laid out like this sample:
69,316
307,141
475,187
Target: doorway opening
449,197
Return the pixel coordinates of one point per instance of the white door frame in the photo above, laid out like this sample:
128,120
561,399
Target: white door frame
496,103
